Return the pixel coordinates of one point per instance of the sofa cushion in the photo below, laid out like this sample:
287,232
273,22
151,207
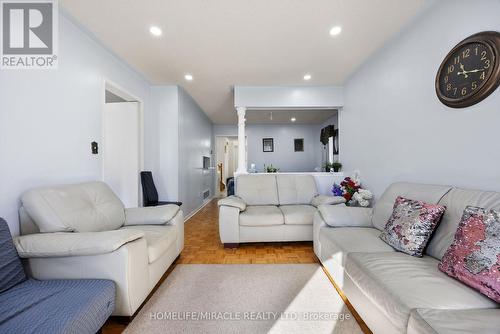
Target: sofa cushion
151,215
411,224
473,258
262,215
421,192
435,321
11,269
397,283
57,306
296,189
158,238
337,242
298,214
257,189
456,201
319,200
85,207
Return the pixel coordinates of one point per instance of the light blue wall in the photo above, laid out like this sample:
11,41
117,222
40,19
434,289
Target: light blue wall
393,127
48,118
283,156
165,103
195,141
185,136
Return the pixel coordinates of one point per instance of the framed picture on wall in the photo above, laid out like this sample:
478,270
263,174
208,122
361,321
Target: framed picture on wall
267,145
298,144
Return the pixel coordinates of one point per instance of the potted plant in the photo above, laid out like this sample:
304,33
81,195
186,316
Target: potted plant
336,166
327,166
271,169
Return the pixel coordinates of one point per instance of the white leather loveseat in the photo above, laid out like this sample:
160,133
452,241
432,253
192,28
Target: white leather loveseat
394,292
84,231
271,207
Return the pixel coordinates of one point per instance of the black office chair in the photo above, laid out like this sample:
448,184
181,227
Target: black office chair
230,186
149,191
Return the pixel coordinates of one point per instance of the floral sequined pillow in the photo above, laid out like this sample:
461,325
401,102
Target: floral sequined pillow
474,255
411,225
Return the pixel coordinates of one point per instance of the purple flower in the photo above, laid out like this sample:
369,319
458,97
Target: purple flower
337,190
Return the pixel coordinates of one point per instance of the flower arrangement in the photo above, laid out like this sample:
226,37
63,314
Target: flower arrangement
351,190
362,197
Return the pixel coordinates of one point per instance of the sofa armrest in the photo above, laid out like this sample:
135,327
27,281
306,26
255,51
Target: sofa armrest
233,201
229,227
62,244
127,267
318,224
151,215
344,216
327,200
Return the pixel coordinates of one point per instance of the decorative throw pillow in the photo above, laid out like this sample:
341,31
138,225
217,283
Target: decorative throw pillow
411,225
474,255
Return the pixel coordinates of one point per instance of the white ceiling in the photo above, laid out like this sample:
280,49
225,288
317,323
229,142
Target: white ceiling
284,116
243,42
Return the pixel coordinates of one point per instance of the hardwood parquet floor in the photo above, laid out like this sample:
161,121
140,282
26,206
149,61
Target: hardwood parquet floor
202,245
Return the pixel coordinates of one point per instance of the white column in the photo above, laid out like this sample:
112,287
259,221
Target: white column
242,147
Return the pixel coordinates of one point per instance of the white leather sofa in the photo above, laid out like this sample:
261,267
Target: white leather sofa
271,207
394,292
84,231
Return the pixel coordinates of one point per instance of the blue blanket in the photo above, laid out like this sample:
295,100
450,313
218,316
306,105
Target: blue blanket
56,306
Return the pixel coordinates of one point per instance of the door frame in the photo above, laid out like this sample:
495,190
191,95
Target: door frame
216,171
108,85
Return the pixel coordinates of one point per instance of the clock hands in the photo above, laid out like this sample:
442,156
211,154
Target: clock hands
464,72
476,70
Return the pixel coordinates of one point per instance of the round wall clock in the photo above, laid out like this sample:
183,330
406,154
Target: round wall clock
471,71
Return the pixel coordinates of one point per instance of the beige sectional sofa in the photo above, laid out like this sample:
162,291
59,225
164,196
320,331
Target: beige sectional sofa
394,292
271,207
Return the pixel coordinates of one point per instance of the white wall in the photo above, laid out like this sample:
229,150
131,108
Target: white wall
288,96
225,130
393,126
48,118
195,141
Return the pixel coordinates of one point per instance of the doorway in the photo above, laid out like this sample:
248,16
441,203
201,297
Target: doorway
226,149
122,145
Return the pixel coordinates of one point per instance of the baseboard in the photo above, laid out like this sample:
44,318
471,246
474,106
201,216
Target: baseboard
208,200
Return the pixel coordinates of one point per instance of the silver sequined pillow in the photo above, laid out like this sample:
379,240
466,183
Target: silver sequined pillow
411,225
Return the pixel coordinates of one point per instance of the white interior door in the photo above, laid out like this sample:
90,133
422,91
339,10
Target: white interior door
121,152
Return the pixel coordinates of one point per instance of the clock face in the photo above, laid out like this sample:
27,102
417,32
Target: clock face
471,71
466,70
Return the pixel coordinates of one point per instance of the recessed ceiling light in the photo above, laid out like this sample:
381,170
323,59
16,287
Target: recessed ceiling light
335,30
155,31
307,77
188,77
293,119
